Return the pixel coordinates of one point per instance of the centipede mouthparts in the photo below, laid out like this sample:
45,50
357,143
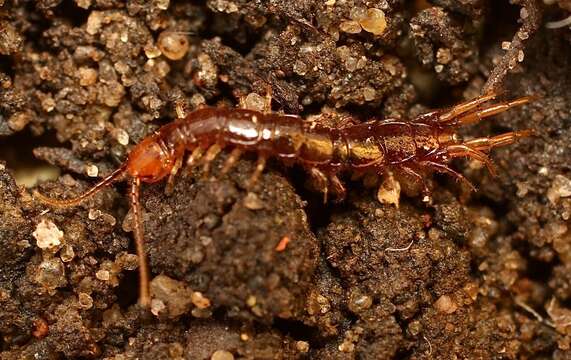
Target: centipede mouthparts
426,143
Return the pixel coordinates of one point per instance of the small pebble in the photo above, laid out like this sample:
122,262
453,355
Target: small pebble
324,305
443,56
389,191
127,261
66,254
369,93
84,4
175,295
48,104
92,170
19,120
47,235
157,307
85,301
222,355
173,45
302,346
87,76
560,188
94,22
374,21
152,51
103,275
350,26
446,305
162,4
359,302
300,68
51,274
93,214
199,300
255,101
253,202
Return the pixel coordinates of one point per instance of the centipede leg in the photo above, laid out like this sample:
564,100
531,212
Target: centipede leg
268,100
337,187
234,156
170,182
260,165
210,155
491,110
180,109
144,293
193,159
419,179
320,181
463,150
464,107
442,168
242,102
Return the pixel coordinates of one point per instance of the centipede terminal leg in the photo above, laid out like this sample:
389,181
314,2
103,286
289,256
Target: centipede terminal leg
464,107
488,143
144,293
493,109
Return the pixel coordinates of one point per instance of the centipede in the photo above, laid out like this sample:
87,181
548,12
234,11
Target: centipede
425,143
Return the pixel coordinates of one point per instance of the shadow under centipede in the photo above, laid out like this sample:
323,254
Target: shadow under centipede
318,213
297,330
128,291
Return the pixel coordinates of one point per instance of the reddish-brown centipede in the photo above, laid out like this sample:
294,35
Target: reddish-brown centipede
428,142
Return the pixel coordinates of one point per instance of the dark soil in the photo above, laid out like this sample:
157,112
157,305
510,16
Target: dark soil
272,273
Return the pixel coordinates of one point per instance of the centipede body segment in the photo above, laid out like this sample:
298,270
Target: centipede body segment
426,143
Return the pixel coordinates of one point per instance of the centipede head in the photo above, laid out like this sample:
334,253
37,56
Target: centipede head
150,160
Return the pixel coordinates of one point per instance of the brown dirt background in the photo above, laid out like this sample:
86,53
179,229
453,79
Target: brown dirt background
483,275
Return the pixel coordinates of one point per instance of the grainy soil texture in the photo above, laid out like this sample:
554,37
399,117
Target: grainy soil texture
270,271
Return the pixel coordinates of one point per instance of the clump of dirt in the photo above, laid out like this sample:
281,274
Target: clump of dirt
270,272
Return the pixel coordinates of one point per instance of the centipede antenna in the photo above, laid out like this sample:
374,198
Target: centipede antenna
65,203
144,293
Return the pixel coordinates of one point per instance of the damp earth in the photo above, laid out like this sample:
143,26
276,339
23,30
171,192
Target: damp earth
271,272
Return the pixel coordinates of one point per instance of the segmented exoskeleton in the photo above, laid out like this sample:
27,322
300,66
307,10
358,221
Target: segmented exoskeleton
427,142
